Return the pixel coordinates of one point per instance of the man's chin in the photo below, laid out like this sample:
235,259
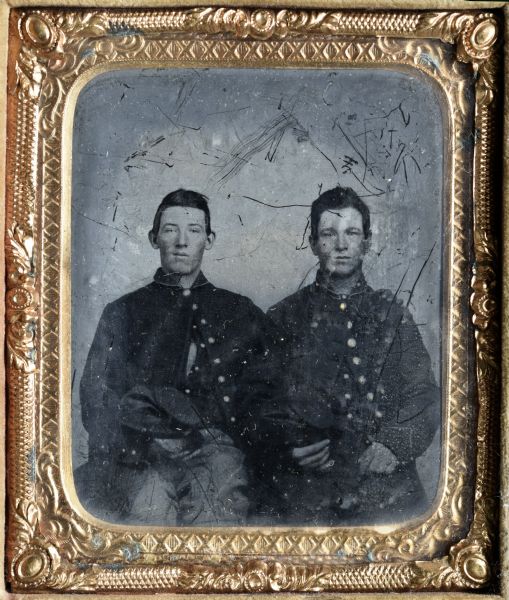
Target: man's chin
178,274
340,271
179,269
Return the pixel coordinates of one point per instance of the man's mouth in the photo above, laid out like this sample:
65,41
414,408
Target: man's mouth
180,254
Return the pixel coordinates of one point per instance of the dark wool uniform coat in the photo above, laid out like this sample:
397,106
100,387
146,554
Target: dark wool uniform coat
356,372
141,349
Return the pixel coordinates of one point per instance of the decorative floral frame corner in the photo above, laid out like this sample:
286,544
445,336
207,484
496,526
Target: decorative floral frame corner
52,544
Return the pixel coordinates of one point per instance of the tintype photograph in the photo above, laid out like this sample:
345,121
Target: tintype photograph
257,296
252,300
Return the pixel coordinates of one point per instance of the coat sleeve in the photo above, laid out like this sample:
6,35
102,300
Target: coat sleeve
280,427
103,383
257,379
412,398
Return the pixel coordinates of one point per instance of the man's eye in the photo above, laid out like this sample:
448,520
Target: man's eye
353,232
195,230
326,234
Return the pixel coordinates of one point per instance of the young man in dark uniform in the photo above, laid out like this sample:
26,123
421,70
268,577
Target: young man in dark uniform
360,403
168,386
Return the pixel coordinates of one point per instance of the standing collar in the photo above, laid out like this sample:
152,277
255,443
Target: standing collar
322,281
173,280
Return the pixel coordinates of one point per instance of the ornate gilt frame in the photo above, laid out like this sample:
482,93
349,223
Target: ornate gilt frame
51,543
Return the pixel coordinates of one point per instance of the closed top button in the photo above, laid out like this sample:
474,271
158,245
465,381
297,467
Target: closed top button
351,342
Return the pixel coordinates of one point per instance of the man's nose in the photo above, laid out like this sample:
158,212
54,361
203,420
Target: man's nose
341,241
182,238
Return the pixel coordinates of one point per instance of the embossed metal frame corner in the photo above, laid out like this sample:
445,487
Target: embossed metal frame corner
52,544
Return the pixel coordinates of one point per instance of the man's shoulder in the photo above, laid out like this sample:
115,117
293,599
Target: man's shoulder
228,300
382,296
385,304
292,302
137,298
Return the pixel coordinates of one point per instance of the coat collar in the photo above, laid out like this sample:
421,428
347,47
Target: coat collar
354,303
320,286
172,280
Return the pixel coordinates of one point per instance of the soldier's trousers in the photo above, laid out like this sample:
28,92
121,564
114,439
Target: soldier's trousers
202,485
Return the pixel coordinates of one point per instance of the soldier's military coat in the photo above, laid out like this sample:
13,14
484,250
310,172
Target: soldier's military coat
180,360
356,372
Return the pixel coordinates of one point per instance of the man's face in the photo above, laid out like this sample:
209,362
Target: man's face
340,244
181,240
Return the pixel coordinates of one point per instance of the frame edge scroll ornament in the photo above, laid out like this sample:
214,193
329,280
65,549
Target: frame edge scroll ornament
35,558
468,564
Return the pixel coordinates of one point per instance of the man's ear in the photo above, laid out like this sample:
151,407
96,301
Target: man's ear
312,244
152,240
366,243
210,240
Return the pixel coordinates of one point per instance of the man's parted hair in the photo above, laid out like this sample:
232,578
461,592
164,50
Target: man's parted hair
336,199
186,198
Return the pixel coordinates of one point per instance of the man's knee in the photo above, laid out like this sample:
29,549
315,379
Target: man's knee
154,502
218,479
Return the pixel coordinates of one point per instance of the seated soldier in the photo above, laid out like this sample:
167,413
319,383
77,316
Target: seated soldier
167,385
360,403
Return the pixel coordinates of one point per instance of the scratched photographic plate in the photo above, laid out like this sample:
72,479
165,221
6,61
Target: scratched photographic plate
262,144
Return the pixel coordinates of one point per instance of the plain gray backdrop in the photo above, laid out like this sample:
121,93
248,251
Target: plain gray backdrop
261,144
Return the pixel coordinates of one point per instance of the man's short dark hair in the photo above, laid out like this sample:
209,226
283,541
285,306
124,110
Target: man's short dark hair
335,199
186,198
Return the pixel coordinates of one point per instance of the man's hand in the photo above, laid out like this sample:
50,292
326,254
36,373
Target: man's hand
314,456
377,459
